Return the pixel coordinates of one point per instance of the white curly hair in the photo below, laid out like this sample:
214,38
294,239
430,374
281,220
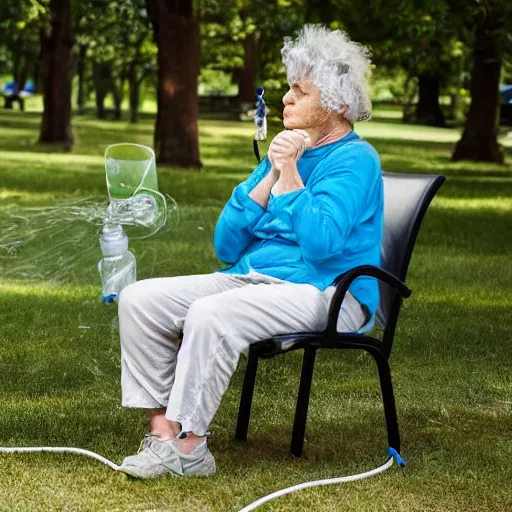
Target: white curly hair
339,67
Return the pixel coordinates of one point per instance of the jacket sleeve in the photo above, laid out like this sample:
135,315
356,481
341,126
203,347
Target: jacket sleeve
234,231
323,216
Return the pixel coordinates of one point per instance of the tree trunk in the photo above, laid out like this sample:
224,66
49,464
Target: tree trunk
134,94
39,71
135,79
101,75
57,45
454,106
20,71
428,111
247,76
117,95
80,100
176,31
479,140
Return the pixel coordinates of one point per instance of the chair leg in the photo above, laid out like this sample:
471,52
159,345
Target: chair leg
244,411
301,410
389,403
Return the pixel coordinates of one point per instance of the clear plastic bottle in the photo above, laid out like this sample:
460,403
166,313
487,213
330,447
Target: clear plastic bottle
118,267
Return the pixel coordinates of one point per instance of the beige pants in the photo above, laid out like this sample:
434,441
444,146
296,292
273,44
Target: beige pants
220,315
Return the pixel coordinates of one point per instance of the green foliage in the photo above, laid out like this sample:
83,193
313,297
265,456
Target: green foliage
392,85
417,36
20,22
507,71
115,32
213,81
118,41
224,30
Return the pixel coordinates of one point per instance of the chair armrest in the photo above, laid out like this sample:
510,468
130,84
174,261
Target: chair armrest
343,281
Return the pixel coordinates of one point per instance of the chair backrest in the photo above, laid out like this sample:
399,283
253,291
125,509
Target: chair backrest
406,199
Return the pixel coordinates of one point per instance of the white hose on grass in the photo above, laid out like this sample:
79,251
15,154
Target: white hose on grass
248,508
329,481
76,451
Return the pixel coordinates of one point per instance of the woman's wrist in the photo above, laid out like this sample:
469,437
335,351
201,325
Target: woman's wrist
261,192
289,179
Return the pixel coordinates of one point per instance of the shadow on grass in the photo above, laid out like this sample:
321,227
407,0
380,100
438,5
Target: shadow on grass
401,155
93,136
89,132
22,118
184,187
478,184
358,437
446,228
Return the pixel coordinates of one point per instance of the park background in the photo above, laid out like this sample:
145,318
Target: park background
179,76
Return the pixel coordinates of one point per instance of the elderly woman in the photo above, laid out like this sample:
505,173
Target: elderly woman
311,210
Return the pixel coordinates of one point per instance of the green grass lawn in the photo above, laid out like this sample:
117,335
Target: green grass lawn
59,381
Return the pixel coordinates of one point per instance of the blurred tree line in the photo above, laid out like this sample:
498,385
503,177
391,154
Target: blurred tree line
427,49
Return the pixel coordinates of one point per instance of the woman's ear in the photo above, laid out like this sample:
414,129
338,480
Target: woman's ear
343,111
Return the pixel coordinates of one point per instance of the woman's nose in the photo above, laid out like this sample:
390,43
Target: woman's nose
288,98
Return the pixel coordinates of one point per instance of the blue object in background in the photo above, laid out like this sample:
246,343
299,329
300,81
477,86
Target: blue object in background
506,93
506,104
10,88
30,86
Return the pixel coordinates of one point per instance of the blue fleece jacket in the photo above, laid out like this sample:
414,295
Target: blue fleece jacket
314,234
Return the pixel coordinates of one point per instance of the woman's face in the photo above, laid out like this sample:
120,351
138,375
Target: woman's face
302,109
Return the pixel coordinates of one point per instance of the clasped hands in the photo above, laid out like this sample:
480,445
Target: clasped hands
284,153
286,148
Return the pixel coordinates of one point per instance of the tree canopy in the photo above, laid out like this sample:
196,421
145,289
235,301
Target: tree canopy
429,49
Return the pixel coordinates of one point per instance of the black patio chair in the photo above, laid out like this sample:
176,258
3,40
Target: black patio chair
406,199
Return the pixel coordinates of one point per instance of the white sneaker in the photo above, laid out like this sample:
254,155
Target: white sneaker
156,458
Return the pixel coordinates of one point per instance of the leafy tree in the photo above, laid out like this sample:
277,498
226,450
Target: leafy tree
176,32
244,38
56,44
140,55
38,41
417,36
221,47
117,54
492,22
264,24
426,55
19,44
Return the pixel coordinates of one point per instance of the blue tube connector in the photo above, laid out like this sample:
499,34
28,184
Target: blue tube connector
398,459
